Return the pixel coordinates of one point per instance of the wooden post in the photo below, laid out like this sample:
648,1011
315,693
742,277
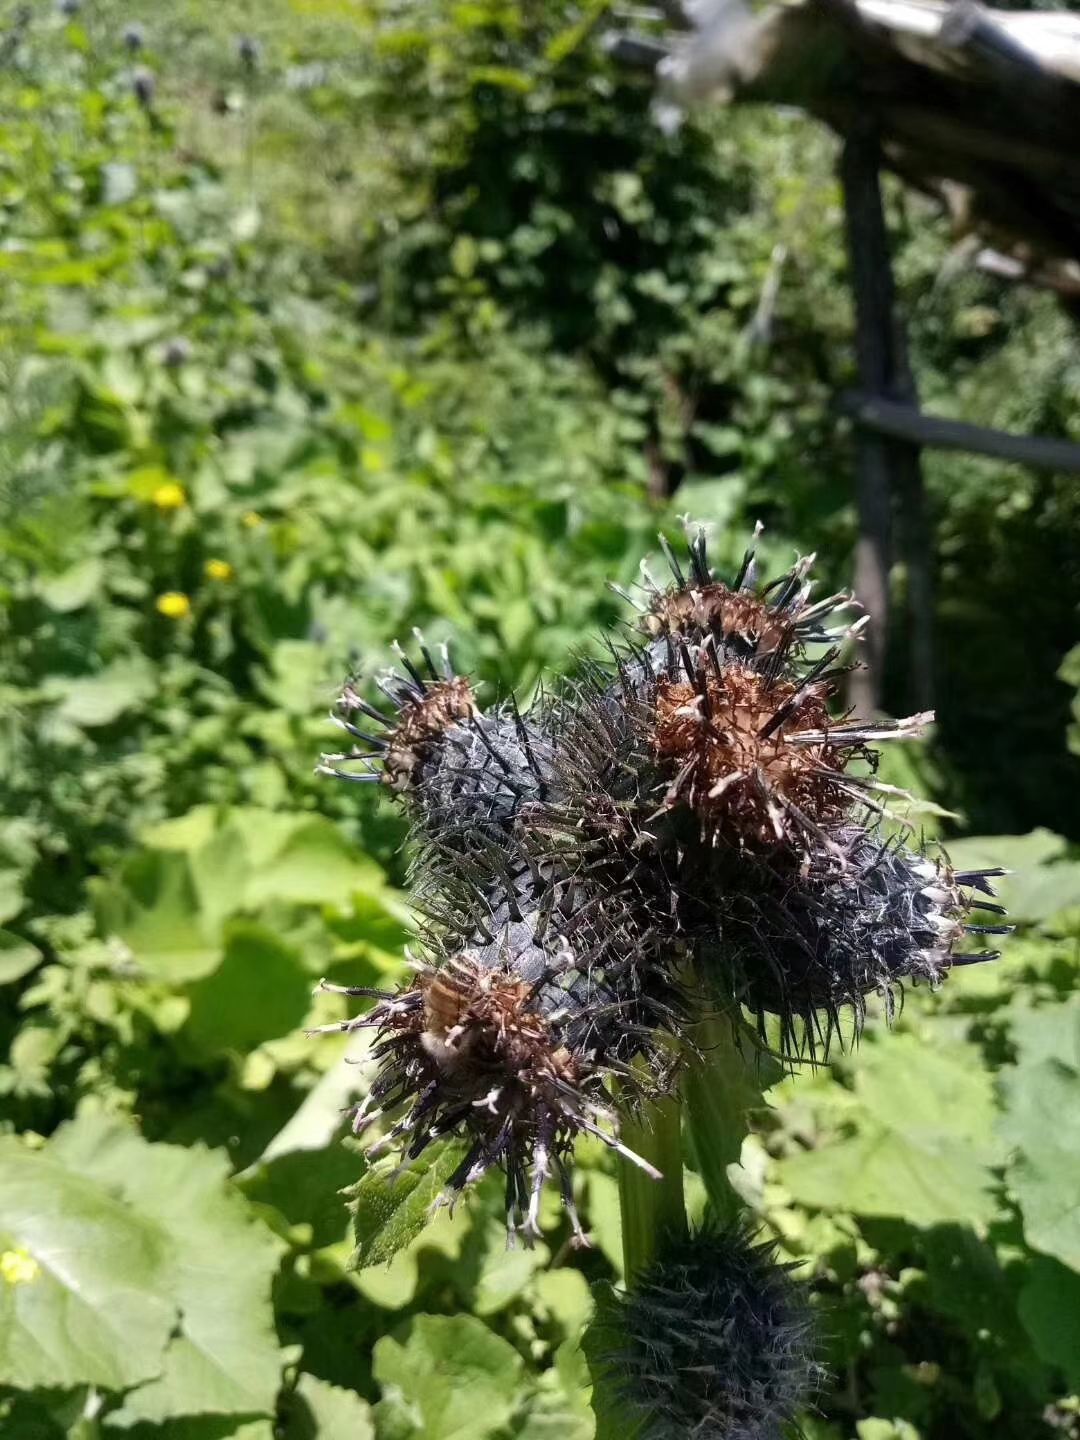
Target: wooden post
886,466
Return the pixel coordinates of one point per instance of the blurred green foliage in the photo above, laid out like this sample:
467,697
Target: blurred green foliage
411,317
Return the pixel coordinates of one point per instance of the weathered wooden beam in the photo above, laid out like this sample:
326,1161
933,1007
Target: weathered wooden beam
907,422
871,280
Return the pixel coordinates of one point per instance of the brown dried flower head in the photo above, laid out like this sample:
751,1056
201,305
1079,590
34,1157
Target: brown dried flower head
752,759
421,721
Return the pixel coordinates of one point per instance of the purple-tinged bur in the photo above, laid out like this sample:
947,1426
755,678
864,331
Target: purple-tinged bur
133,37
713,1340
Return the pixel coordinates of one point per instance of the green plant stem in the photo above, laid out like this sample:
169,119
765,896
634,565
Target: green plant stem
719,1089
651,1208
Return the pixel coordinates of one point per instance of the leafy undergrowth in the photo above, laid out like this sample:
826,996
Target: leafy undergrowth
220,483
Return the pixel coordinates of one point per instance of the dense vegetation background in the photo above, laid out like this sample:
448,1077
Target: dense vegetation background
320,320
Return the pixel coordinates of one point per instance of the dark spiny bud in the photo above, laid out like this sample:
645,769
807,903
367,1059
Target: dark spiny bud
69,8
713,1340
144,85
463,773
248,51
176,353
534,992
134,38
810,946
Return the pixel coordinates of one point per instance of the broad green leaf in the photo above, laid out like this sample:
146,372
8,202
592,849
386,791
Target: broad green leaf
322,1113
1049,1308
152,906
259,991
315,865
1042,1122
454,1378
928,1181
11,894
17,957
85,1297
75,587
224,1358
390,1209
504,1274
306,1189
923,1145
912,1084
100,699
220,870
319,1411
1048,1032
186,832
1042,883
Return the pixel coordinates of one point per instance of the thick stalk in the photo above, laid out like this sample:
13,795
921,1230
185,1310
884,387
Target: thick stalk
651,1208
719,1089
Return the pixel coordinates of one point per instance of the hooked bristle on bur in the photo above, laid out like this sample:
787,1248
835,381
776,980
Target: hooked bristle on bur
523,1008
685,828
713,1341
455,766
812,947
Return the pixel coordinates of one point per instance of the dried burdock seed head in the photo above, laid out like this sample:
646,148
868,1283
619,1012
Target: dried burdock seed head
714,1341
461,771
507,1033
762,625
812,947
758,759
422,722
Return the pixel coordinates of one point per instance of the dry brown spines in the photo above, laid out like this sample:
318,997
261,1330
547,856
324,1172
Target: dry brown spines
422,720
478,1028
750,757
714,609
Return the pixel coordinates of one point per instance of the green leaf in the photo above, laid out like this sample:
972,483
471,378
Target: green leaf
1042,1120
100,699
224,1358
11,894
504,1274
319,1411
451,1377
259,991
1049,1308
1042,883
923,1145
17,957
314,865
388,1212
84,1278
151,905
321,1115
75,587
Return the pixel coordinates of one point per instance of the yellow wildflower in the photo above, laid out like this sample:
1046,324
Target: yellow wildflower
218,570
169,496
252,519
174,605
18,1267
